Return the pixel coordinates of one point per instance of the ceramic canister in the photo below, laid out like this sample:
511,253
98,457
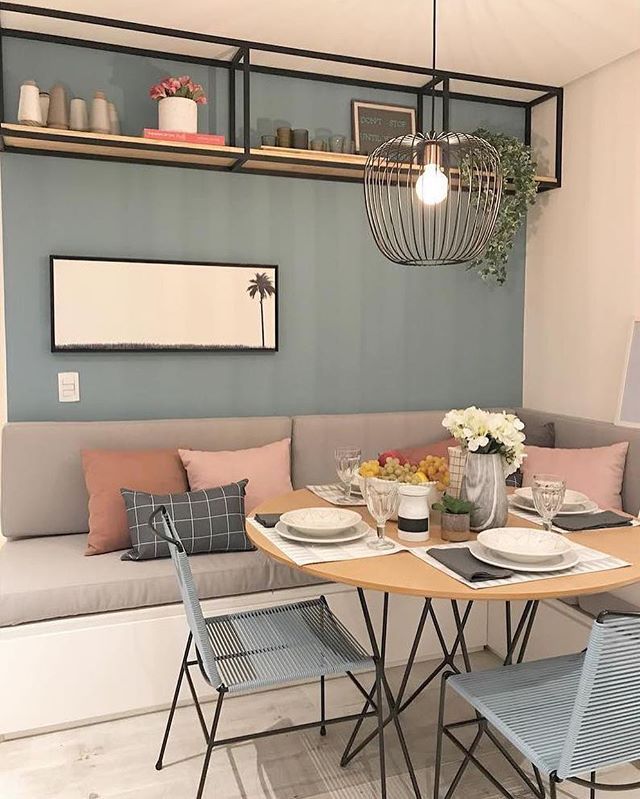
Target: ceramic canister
99,120
29,105
44,106
58,116
413,512
114,120
79,116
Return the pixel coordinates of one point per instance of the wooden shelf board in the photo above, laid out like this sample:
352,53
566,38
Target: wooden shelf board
262,159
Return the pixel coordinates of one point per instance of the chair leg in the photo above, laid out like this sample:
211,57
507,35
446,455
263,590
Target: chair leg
552,788
439,737
323,729
176,694
383,768
210,745
592,789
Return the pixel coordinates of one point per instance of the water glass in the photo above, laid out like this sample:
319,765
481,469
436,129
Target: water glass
347,463
548,496
382,502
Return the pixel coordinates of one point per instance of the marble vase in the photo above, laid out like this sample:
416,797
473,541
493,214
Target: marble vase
484,485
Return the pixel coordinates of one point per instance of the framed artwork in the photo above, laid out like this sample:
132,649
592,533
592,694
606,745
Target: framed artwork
629,399
375,123
116,305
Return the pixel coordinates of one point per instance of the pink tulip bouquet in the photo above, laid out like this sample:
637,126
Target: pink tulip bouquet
178,87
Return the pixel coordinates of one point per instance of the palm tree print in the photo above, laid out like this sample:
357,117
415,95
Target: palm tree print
261,286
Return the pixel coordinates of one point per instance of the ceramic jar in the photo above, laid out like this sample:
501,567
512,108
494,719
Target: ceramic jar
99,119
58,116
79,116
413,512
114,120
44,106
484,485
179,114
29,112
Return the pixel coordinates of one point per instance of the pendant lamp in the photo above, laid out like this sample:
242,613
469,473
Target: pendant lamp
433,199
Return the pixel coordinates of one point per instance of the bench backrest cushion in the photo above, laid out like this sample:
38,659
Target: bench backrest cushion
574,432
43,489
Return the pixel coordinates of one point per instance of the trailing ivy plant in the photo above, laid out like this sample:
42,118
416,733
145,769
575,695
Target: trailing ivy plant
519,169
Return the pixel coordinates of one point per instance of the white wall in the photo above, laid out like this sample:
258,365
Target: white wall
583,251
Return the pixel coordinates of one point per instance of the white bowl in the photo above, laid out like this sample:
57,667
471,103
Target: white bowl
573,500
321,521
523,544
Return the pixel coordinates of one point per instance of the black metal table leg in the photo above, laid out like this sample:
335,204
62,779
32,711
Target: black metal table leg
516,640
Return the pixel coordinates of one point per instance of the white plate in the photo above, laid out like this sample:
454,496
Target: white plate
524,544
321,522
565,561
589,507
351,534
572,499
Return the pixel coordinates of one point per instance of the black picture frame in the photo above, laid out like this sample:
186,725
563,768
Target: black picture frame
356,105
56,347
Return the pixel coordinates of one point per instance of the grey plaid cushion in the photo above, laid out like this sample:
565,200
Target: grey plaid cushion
206,521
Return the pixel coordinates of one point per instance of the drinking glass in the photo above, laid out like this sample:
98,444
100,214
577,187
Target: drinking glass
548,496
382,502
347,463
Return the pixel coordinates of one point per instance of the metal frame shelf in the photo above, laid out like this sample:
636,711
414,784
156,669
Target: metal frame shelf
241,58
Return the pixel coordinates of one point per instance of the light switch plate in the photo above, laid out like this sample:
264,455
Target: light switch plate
68,387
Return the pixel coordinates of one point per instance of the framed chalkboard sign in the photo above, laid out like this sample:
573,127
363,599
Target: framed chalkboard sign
374,123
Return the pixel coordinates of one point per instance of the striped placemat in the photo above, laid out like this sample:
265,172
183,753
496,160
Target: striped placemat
591,560
334,494
304,554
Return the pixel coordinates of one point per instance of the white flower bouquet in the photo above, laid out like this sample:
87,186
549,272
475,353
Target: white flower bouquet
487,432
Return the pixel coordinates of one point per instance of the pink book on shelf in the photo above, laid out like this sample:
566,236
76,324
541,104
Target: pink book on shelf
177,135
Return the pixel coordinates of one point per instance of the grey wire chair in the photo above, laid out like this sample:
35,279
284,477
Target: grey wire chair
260,648
567,715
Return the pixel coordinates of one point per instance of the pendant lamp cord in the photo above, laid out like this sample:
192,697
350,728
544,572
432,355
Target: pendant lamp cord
433,66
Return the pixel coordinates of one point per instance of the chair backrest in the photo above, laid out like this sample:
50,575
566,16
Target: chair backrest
605,723
189,593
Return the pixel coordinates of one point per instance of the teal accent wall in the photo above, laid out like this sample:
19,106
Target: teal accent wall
357,333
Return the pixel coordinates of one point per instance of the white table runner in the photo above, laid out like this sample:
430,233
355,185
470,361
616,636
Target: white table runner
334,494
590,561
305,554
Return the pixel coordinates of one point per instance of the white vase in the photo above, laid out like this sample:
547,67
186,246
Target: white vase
178,113
114,120
78,116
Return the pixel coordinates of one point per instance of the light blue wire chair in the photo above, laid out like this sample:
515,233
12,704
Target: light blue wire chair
261,648
568,716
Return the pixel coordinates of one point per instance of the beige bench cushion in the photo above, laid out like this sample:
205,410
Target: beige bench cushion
43,490
50,577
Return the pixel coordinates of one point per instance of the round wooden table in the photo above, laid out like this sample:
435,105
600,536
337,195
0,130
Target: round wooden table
403,573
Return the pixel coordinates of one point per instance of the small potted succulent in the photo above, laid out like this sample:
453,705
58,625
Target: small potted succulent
178,101
455,518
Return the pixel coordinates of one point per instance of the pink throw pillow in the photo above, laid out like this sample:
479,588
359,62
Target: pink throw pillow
597,471
438,448
267,469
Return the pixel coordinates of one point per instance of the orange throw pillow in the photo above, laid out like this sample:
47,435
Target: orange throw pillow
155,471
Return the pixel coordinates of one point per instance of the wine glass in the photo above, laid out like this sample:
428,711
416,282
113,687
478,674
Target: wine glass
382,502
347,463
548,496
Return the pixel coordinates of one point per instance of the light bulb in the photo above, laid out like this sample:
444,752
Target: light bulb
432,186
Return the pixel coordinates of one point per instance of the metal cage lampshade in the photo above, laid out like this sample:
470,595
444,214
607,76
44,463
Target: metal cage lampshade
433,199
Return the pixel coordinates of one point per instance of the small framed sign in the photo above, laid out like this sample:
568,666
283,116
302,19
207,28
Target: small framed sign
374,123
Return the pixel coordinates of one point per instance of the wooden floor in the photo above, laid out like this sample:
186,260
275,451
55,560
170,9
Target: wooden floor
115,760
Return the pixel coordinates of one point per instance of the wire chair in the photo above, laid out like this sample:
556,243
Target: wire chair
569,716
260,648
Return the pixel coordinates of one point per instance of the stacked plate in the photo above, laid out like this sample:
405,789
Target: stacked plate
574,502
321,525
524,549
